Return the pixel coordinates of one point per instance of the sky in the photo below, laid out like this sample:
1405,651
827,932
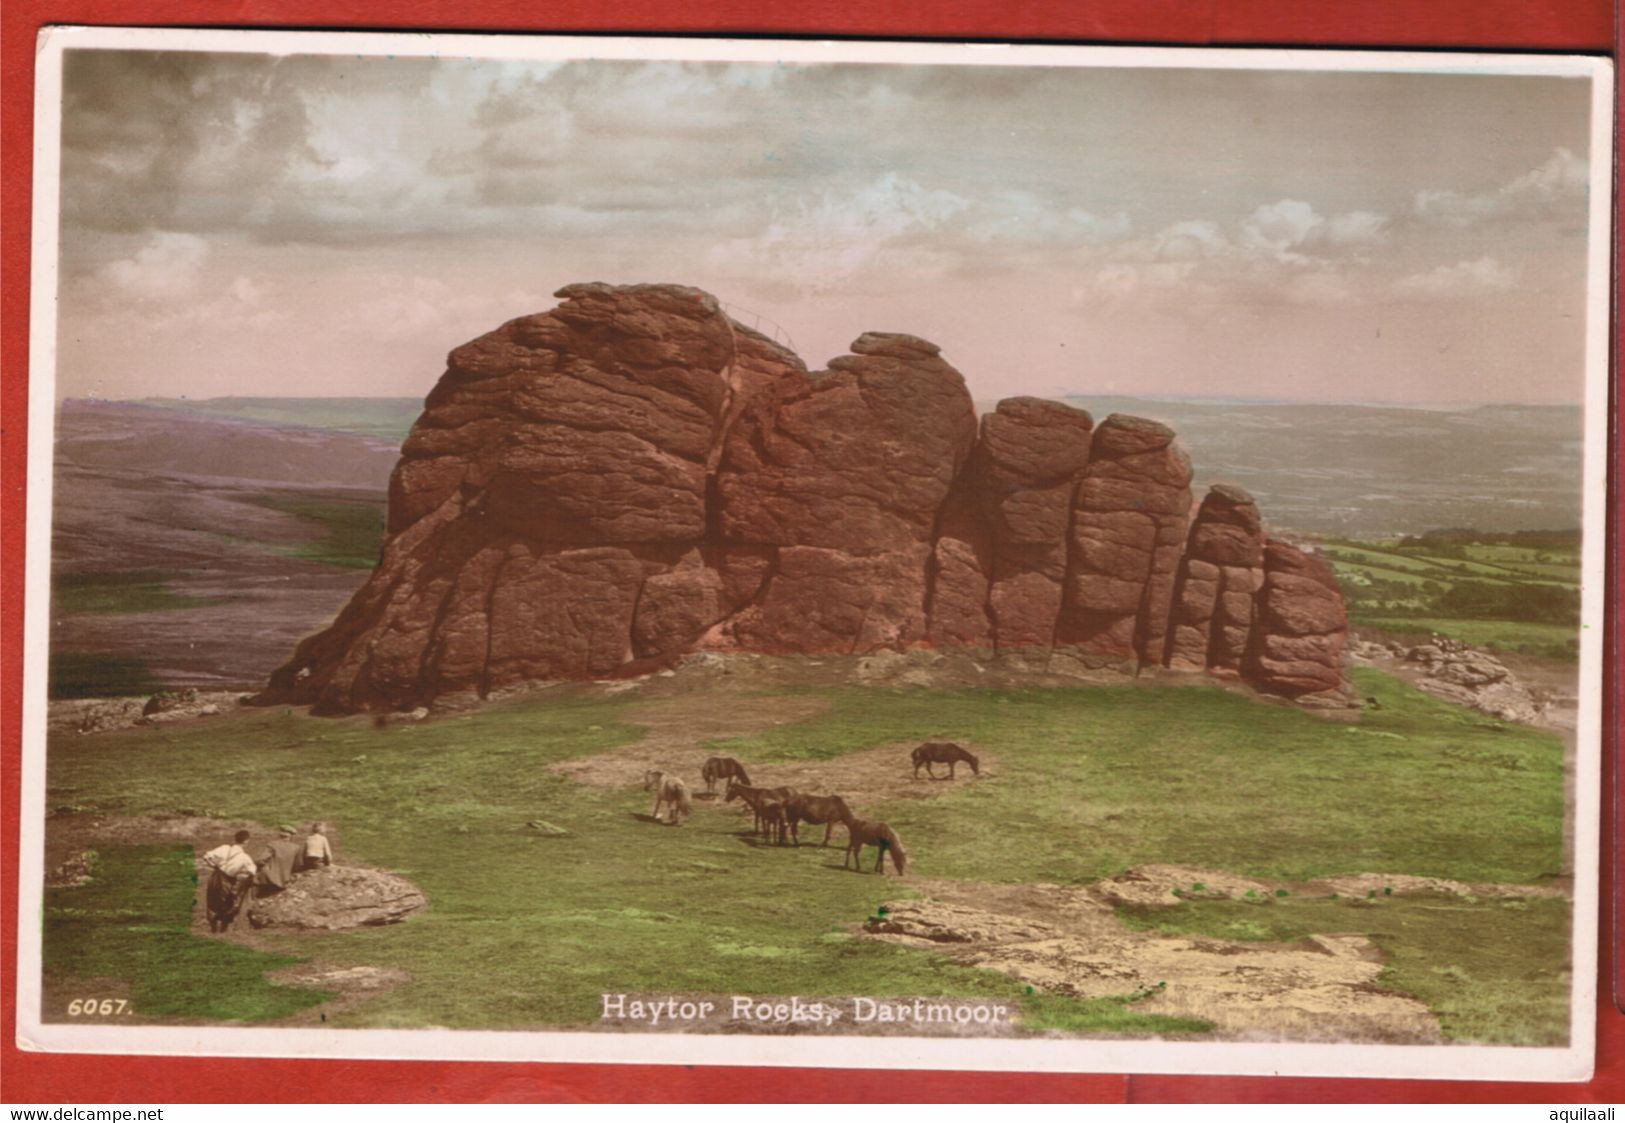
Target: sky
307,225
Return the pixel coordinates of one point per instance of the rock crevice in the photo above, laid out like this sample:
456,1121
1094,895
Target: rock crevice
635,476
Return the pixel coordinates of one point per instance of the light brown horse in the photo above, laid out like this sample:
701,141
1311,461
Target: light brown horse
722,768
826,809
672,792
867,832
758,800
943,752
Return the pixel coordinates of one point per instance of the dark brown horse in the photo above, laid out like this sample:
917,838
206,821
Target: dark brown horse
866,832
722,768
943,752
225,897
826,809
759,799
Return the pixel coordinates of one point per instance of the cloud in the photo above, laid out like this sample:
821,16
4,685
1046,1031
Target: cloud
1466,278
1186,241
1560,184
167,267
1355,228
826,241
1020,217
1278,229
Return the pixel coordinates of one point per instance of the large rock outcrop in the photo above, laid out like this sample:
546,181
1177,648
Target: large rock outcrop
633,476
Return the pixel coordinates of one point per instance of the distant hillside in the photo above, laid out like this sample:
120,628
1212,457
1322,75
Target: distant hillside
1337,469
386,418
1381,471
140,438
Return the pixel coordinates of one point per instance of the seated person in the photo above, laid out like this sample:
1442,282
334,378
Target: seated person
318,851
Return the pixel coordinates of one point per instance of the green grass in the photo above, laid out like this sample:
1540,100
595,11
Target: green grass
106,591
1492,970
87,674
523,930
1557,642
132,922
527,931
1094,781
1519,599
1101,1015
351,530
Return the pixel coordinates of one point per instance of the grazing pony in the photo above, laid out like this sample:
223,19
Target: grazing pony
943,752
722,768
867,832
224,898
767,804
771,814
668,790
826,809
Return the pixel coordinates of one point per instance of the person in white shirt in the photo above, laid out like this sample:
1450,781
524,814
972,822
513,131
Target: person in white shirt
318,851
230,880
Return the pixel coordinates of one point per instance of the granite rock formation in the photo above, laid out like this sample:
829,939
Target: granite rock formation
634,476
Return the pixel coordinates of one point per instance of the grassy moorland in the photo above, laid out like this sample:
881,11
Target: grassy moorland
120,591
385,418
526,931
347,533
1517,593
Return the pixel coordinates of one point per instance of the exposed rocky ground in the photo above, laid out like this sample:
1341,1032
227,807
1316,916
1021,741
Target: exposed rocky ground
343,895
335,897
1463,674
94,715
1067,939
633,476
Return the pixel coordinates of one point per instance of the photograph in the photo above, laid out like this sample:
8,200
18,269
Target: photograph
788,552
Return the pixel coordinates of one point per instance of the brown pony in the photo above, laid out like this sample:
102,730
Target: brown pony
668,790
943,752
826,809
224,898
758,799
771,814
722,768
866,832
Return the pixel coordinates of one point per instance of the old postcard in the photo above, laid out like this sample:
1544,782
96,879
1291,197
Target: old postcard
865,554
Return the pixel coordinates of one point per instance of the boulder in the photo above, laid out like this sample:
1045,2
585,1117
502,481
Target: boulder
1128,532
857,458
1221,573
333,897
1297,643
1034,453
633,476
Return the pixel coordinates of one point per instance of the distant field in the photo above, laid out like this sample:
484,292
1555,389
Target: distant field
1497,594
1547,641
389,418
350,532
1088,782
119,591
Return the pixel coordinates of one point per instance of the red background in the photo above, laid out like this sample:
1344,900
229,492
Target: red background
1574,25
